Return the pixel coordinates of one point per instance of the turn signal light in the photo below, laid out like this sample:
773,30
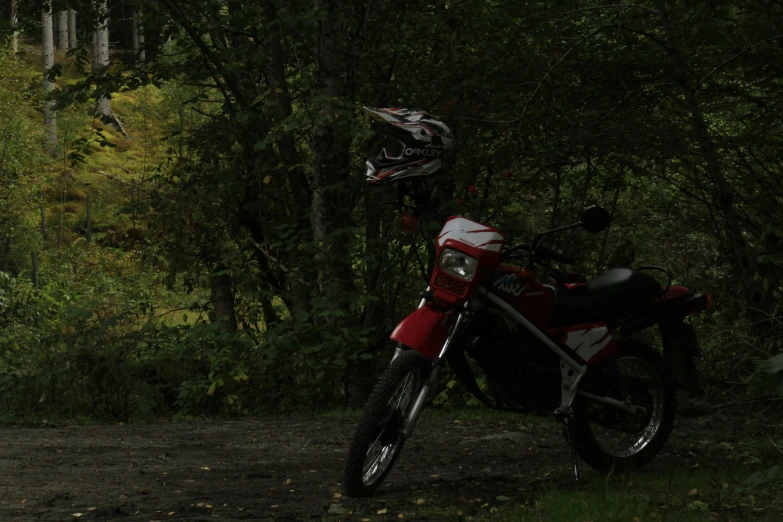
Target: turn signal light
408,224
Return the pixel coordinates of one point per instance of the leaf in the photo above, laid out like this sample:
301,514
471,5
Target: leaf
267,180
693,492
366,356
419,502
382,511
773,364
212,387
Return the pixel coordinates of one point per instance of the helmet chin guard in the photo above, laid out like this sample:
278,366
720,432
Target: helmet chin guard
415,144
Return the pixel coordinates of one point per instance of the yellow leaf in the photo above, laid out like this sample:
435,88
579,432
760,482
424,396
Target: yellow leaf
635,519
338,495
205,468
692,492
420,502
382,511
287,481
267,180
211,390
279,90
400,516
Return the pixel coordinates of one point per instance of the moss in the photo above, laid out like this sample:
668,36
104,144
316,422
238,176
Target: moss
74,194
72,208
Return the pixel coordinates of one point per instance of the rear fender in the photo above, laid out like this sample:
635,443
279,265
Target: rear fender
425,330
680,347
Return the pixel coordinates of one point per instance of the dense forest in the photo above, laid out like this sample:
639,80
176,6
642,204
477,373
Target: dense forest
184,222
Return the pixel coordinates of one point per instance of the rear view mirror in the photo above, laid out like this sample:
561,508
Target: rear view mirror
595,219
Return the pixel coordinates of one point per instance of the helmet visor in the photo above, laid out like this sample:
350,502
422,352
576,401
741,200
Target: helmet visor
392,148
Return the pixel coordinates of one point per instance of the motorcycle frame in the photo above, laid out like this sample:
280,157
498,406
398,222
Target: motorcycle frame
571,370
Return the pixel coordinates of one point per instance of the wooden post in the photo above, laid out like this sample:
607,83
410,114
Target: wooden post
43,222
34,273
89,221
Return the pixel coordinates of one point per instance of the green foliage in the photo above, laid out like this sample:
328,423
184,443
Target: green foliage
241,190
768,377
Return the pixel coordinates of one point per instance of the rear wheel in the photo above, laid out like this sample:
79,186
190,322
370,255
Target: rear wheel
609,438
378,438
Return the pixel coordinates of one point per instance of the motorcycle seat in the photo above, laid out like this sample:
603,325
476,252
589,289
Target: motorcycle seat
615,293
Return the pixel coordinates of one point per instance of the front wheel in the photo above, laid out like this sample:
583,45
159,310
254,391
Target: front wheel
378,438
609,438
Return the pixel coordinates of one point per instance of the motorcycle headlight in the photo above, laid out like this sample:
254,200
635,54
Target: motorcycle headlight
457,264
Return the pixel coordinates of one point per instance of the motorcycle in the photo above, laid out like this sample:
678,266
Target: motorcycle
559,346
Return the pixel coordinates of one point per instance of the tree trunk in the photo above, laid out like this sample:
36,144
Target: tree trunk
94,53
14,19
104,103
73,41
222,297
7,253
62,30
741,258
34,271
43,223
137,33
47,50
88,223
330,148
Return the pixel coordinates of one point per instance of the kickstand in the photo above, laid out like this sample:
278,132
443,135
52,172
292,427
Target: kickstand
568,433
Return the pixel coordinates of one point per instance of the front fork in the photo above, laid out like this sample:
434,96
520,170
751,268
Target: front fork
432,379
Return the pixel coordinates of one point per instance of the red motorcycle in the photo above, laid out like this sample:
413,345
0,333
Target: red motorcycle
562,346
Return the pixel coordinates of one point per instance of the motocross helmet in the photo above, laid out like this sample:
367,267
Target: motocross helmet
414,144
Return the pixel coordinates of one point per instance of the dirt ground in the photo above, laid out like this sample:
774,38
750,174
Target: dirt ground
268,469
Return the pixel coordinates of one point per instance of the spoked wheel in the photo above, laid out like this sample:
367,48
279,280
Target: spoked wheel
378,438
608,437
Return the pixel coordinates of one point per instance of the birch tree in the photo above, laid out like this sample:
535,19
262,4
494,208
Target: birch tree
102,55
138,35
14,19
62,30
47,50
73,41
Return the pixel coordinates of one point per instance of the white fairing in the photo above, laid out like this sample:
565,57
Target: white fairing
471,233
587,343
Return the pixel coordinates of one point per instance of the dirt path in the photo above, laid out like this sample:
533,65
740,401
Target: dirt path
266,469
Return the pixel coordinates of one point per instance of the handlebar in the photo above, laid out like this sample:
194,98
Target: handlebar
543,253
540,254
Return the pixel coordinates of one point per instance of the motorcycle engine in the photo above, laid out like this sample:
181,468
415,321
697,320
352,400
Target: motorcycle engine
519,370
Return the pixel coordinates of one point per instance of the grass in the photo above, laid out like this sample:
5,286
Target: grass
669,494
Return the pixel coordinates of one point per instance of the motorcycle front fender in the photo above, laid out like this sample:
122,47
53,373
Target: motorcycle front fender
425,330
